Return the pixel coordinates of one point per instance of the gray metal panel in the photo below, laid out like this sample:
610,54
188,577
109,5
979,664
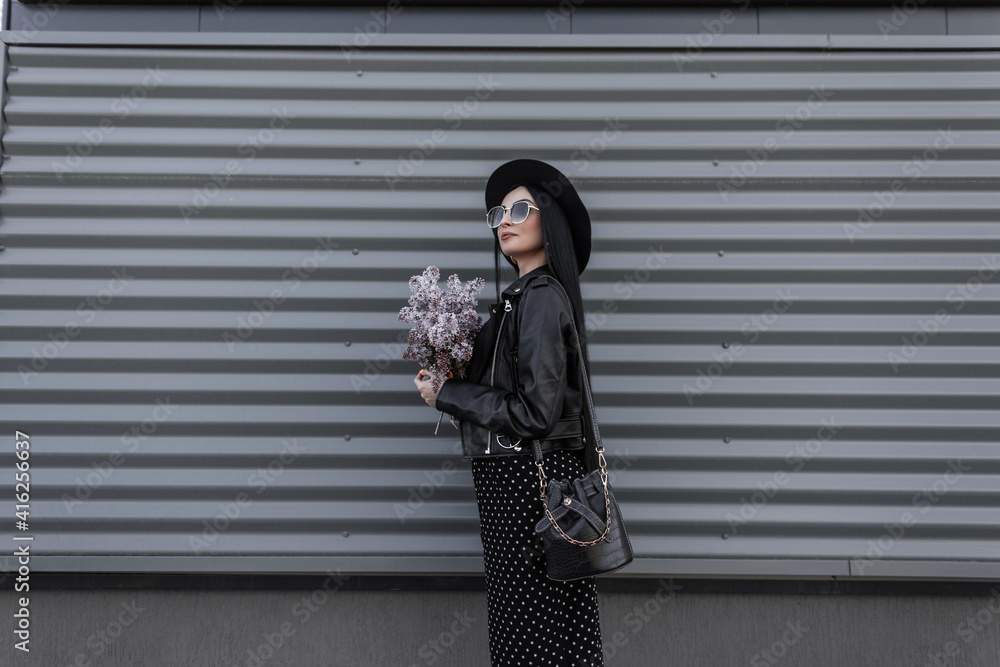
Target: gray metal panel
63,16
674,21
433,41
232,17
969,21
707,21
488,20
709,212
330,623
882,21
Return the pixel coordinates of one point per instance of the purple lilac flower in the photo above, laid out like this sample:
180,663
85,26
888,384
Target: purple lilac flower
446,324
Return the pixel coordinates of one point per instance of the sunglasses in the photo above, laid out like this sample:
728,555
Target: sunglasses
519,211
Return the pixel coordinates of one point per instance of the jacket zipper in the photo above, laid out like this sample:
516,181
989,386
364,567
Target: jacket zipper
493,368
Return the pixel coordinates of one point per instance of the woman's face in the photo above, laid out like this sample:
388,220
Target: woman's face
522,242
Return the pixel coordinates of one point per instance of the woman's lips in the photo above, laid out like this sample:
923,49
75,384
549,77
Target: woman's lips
507,235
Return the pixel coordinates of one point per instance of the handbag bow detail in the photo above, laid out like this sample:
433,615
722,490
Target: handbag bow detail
562,500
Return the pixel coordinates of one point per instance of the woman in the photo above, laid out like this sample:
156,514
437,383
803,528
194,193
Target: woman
523,384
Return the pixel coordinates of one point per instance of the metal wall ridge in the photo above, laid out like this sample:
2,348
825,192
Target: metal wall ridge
337,42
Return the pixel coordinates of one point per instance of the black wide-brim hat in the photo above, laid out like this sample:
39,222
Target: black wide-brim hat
510,174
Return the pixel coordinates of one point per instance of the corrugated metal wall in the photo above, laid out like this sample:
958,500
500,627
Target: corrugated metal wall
794,301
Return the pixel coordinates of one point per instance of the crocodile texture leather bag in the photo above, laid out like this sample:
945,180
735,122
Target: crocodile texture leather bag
582,533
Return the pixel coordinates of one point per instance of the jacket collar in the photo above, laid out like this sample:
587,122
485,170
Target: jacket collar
521,283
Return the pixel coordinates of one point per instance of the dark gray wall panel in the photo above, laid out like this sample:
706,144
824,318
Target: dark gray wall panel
491,20
63,16
974,21
335,625
236,17
198,311
707,22
889,20
675,21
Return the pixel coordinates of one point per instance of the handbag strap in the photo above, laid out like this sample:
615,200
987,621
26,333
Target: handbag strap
583,372
536,446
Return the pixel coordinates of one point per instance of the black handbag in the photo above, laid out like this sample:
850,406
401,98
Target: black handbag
582,533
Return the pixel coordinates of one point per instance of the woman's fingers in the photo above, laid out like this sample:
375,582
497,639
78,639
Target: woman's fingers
425,389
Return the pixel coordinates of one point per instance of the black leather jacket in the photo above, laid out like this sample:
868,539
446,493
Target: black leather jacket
523,381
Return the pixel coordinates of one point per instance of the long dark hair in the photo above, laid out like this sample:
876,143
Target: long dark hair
557,237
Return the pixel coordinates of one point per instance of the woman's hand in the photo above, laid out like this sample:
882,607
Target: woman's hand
424,385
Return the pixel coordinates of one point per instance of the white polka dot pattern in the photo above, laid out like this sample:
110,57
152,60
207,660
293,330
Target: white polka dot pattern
533,621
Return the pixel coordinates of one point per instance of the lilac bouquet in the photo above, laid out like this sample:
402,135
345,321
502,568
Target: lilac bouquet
444,334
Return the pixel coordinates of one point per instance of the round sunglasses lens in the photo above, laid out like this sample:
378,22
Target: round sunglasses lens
495,216
519,212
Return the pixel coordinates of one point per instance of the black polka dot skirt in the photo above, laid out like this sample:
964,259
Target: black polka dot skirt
533,620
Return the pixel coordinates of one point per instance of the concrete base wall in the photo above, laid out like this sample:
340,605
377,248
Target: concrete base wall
352,628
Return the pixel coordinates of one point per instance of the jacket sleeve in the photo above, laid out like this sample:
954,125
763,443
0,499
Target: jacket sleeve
534,407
